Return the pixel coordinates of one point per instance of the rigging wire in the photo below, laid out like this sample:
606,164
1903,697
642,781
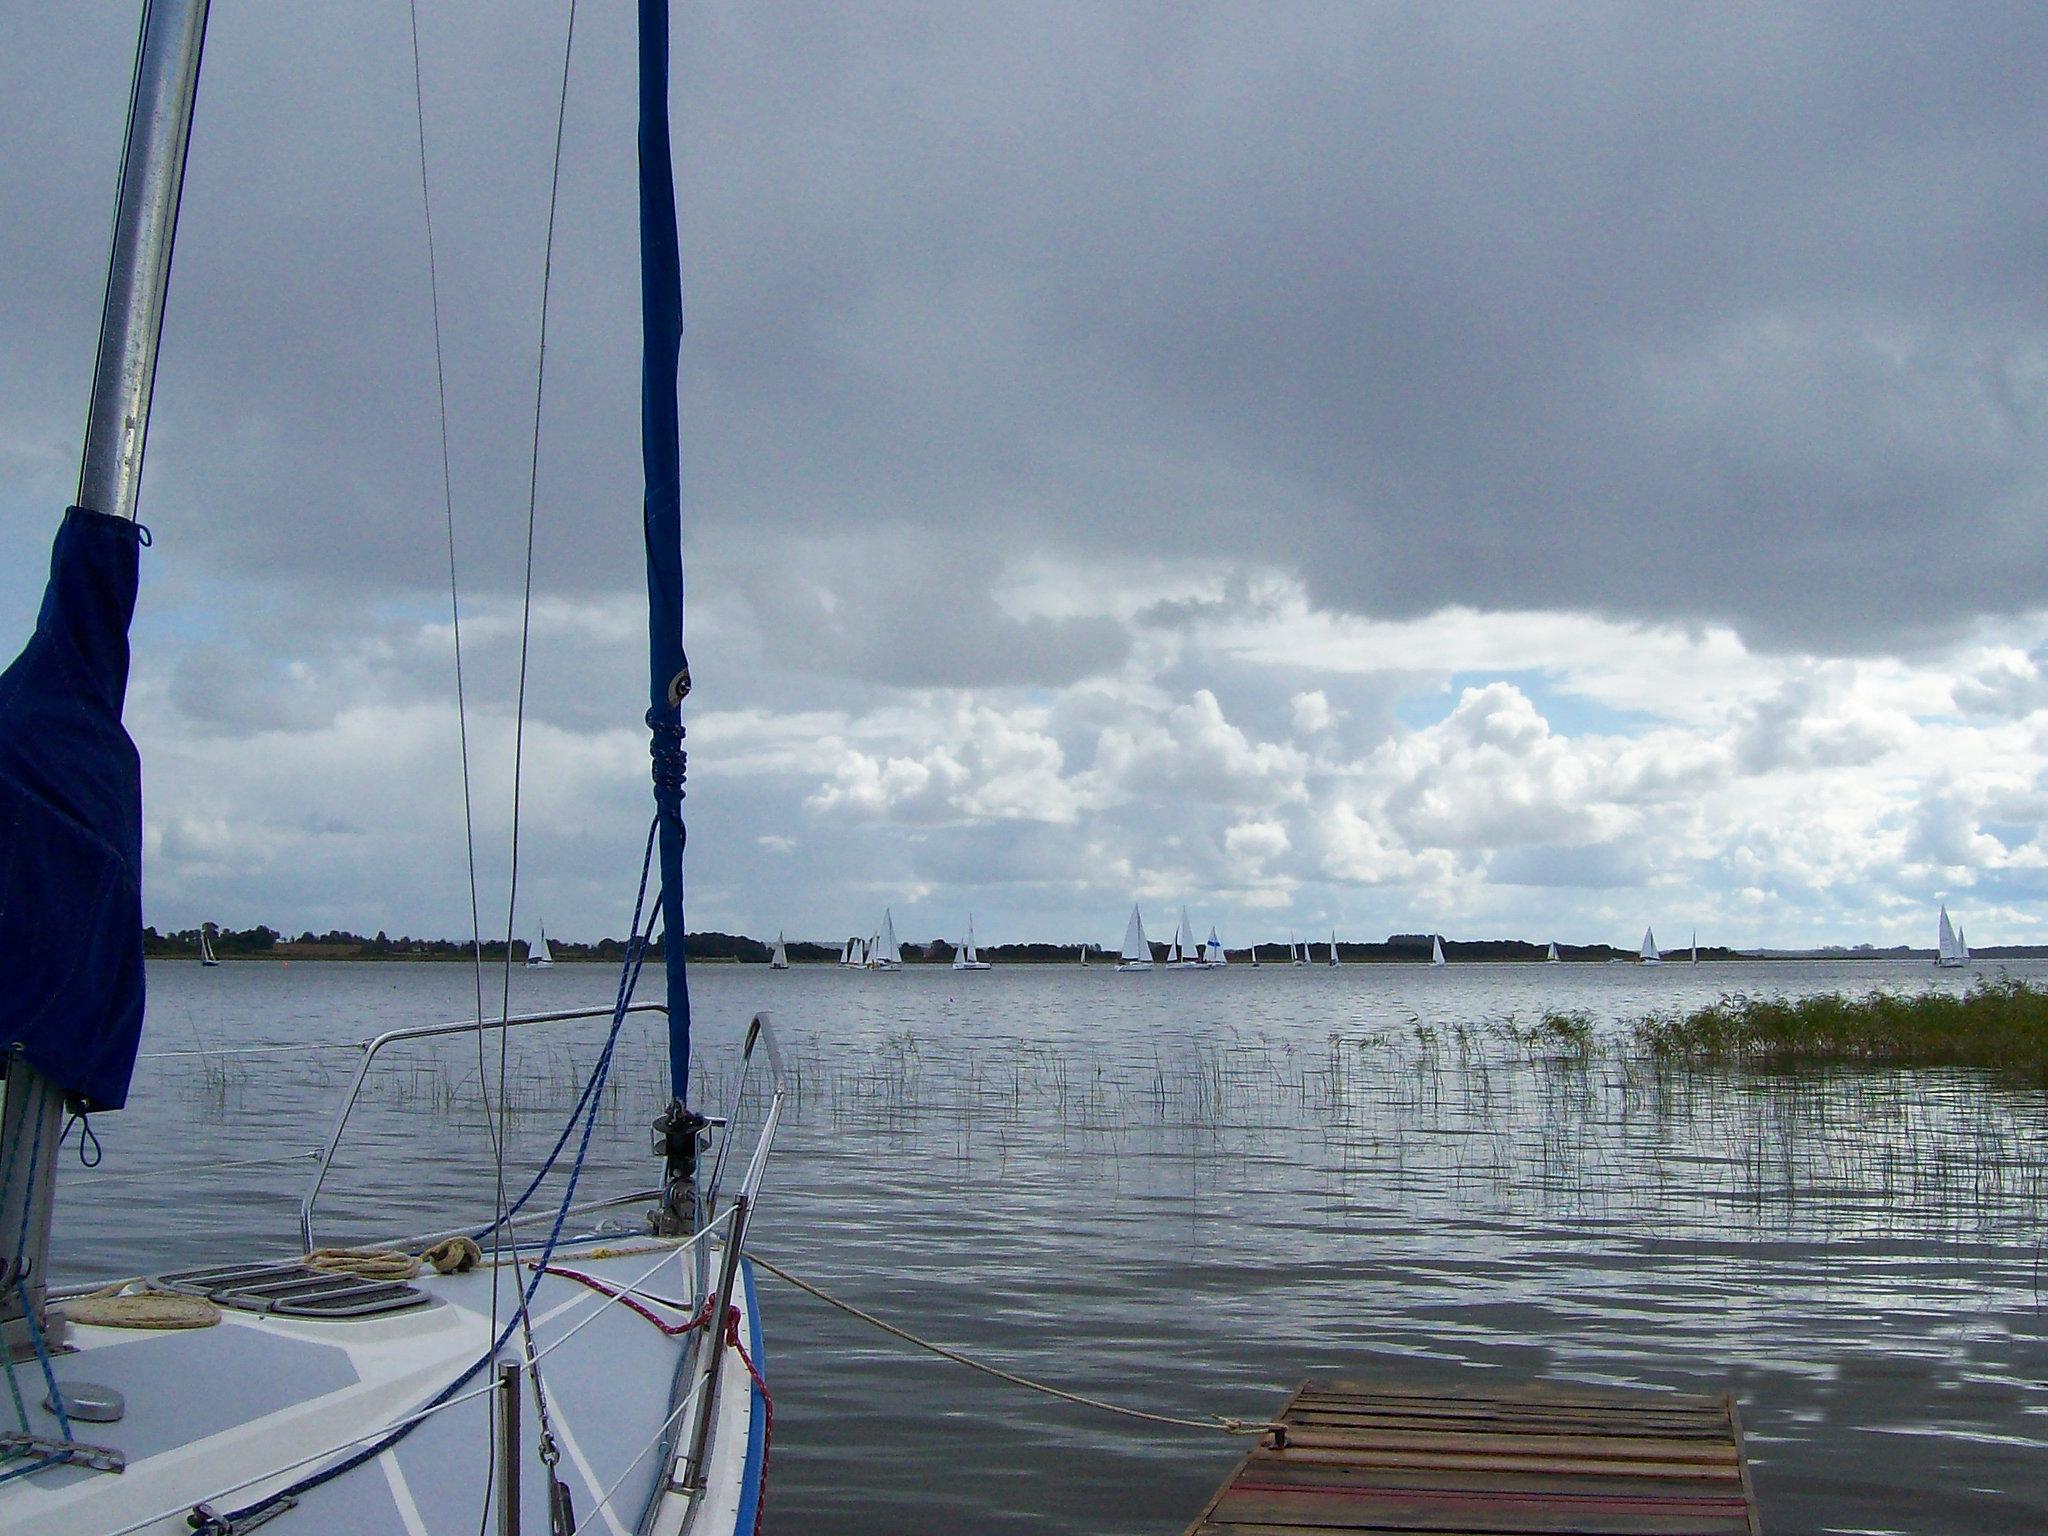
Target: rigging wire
476,931
504,1233
476,938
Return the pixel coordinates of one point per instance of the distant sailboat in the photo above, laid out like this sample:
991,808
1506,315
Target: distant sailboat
1137,953
779,961
540,957
1185,954
1436,950
1255,954
1963,944
1648,954
1553,958
1297,954
1949,952
1334,961
883,955
206,954
1084,954
1212,952
1695,946
964,958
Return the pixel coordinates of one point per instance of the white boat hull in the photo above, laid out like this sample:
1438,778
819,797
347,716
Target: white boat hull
231,1414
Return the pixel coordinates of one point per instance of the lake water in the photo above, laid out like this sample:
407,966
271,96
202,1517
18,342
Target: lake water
1187,1192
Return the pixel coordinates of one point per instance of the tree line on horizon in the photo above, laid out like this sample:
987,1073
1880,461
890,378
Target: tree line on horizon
265,942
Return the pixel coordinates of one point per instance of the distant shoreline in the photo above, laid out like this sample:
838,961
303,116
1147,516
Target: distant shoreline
282,954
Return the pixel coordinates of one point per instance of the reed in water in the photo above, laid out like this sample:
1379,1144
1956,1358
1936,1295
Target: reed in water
1999,1026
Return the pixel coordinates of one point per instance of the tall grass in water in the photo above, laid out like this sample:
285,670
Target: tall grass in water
1998,1026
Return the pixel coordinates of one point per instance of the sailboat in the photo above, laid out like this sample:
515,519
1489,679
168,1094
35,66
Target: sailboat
1695,946
965,959
206,954
1137,952
1648,954
1255,954
1436,950
1185,953
1212,951
1084,954
1297,954
883,955
1949,953
1334,961
1553,958
779,961
540,957
297,1397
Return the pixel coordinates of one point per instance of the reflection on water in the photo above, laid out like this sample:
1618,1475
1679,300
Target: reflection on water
1187,1192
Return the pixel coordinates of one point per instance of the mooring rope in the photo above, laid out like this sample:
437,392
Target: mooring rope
1214,1422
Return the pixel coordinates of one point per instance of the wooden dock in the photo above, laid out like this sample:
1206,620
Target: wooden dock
1356,1458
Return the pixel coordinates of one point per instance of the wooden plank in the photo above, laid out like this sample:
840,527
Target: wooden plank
1451,1462
1509,1423
1310,1530
1520,1518
1607,1447
1326,1475
1756,1519
1512,1393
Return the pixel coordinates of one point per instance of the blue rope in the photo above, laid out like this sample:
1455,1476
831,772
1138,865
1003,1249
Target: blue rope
586,1111
35,1332
629,978
31,1468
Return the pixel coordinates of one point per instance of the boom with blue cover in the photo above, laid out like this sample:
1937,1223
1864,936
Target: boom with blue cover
71,977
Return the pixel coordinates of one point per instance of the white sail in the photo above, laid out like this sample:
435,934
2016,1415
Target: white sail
1552,958
540,955
1084,952
1436,950
884,955
1648,953
1137,953
964,958
1212,952
1255,954
1962,944
1334,961
846,953
779,961
206,954
1695,946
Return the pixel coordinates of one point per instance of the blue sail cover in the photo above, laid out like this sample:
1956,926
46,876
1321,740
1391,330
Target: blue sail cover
71,823
661,343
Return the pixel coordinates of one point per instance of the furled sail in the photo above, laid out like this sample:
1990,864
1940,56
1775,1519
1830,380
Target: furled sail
71,822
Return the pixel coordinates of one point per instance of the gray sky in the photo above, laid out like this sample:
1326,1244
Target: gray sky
1499,469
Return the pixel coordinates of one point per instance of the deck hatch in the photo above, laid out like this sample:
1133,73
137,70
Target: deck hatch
291,1289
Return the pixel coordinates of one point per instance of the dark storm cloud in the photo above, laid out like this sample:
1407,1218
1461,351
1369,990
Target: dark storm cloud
1717,313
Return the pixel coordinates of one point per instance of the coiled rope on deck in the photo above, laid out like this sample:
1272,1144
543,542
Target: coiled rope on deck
114,1306
451,1256
1215,1422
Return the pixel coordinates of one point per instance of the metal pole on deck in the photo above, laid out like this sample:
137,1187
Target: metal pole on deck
109,479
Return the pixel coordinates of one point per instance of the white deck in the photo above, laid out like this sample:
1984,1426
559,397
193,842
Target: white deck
225,1415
